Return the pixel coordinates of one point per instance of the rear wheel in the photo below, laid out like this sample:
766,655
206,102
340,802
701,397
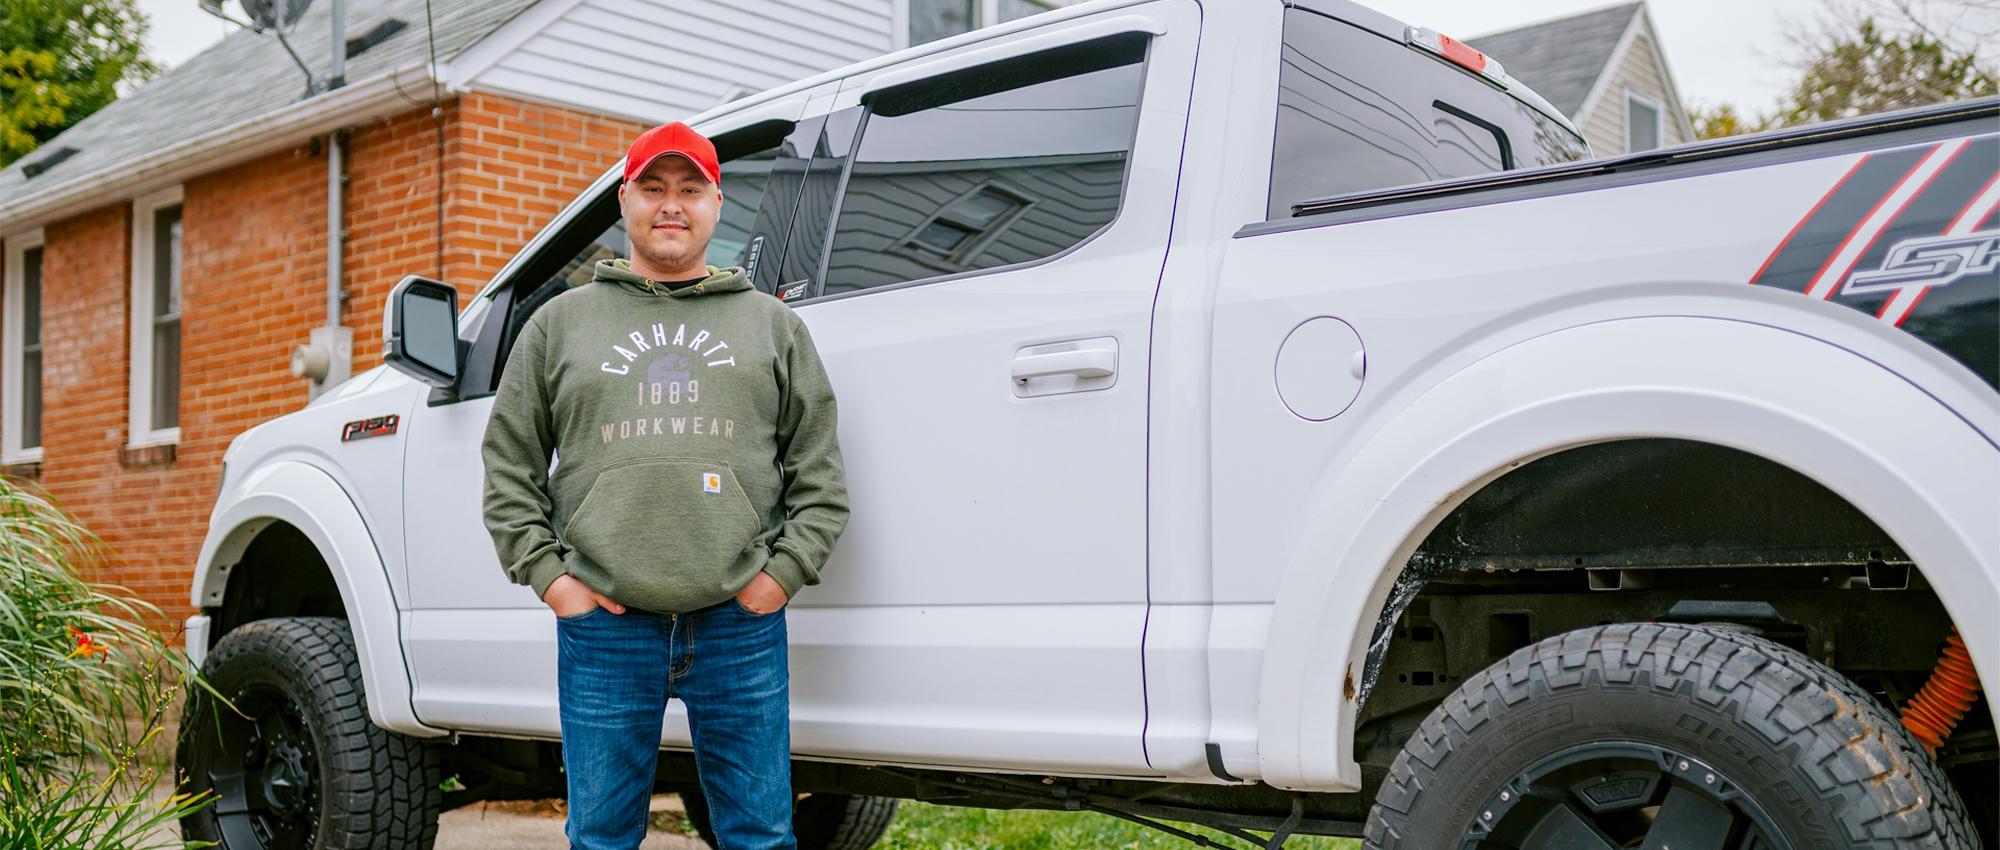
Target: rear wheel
1653,735
302,767
820,821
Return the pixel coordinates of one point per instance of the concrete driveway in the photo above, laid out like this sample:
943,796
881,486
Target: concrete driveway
537,826
533,825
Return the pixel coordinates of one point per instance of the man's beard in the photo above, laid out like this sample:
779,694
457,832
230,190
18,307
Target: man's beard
667,256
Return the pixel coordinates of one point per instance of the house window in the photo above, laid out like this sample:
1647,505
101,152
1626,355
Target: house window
1642,123
930,20
1010,9
23,361
156,319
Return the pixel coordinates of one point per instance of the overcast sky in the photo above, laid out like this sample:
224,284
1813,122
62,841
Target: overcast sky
1720,51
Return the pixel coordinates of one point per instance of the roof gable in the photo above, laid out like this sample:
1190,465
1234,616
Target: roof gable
1562,59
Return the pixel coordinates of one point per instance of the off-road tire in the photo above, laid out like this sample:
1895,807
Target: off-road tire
1831,766
375,788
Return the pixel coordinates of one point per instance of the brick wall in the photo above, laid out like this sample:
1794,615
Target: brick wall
141,507
254,285
521,166
509,167
392,216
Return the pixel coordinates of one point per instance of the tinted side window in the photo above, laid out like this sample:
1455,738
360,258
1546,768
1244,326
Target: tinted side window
598,235
1469,140
1357,111
825,145
997,165
743,214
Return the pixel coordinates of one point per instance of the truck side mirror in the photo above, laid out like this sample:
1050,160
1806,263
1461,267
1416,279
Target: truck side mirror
420,331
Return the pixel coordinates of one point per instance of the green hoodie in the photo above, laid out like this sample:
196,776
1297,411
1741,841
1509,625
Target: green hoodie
694,439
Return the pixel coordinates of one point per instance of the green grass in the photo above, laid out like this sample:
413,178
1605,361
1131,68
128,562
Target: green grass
922,826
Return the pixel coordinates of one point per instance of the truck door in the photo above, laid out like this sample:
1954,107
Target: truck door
982,295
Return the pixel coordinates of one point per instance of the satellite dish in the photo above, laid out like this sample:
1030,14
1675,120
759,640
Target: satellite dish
278,16
274,14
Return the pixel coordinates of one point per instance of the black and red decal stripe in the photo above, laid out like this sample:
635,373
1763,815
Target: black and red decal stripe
1830,221
1949,208
1891,209
1810,216
1888,198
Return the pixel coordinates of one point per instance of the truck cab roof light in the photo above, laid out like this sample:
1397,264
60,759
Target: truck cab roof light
1458,53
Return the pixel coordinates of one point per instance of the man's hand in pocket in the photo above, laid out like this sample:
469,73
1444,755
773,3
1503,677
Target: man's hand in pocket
763,594
567,596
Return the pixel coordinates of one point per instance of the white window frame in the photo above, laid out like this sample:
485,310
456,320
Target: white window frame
140,431
1659,120
11,309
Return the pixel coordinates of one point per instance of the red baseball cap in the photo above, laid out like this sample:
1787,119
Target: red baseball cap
675,138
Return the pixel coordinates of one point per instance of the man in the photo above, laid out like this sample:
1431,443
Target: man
697,487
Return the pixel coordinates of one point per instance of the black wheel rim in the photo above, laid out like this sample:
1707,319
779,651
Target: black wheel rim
1612,794
265,772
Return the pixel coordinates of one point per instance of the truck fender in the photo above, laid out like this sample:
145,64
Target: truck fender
1914,466
312,501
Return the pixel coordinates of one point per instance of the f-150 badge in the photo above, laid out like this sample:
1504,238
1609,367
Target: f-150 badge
380,426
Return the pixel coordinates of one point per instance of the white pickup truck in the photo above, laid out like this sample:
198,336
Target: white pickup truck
1257,415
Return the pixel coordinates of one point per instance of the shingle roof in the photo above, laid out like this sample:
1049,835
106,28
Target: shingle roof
247,75
1561,59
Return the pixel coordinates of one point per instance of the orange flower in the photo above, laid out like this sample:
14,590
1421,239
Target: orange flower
85,646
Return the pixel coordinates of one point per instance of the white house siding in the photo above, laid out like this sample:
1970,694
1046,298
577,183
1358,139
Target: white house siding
1638,70
656,60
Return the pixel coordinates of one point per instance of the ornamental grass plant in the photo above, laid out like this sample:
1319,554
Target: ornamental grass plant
87,673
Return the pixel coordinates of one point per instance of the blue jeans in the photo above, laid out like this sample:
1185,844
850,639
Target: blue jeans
614,675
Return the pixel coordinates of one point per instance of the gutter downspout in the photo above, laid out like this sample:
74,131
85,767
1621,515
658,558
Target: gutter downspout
336,215
328,359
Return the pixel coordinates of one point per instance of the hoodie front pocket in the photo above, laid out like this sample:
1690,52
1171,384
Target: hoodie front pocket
672,516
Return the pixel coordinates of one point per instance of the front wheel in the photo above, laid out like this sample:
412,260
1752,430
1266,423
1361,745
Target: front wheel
819,821
1660,735
301,767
